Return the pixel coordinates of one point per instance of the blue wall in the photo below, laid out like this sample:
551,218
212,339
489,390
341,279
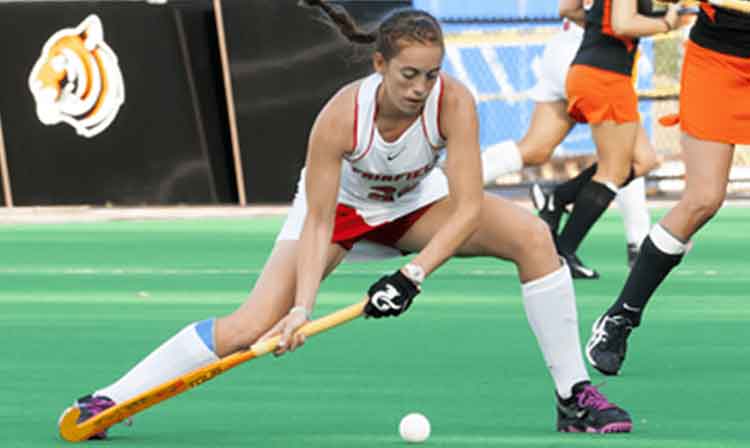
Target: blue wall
488,8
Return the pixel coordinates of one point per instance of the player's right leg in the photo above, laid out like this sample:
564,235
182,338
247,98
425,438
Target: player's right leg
550,124
707,167
203,342
510,232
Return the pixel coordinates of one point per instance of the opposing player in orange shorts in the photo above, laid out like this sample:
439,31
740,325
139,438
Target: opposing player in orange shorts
600,92
714,116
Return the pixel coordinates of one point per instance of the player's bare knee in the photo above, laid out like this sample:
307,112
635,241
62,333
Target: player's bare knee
703,206
538,240
532,154
236,334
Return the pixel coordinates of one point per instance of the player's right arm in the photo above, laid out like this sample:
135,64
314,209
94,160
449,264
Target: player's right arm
627,22
330,140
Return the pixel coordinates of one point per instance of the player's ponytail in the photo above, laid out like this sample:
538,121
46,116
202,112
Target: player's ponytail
343,22
406,24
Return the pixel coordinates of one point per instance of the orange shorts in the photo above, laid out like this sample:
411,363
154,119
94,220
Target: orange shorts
596,95
715,96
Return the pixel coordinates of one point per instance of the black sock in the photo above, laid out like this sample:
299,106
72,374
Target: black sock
649,270
591,202
567,192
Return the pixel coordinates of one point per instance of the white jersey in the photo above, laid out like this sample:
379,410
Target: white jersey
386,180
382,180
553,67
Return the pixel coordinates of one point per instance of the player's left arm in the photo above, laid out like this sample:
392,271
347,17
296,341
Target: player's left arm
572,10
393,294
463,167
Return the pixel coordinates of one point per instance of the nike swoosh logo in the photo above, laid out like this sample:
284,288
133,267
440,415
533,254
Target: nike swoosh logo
573,413
391,158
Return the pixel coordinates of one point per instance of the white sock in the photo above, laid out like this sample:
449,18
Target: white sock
499,159
631,201
666,242
551,310
183,353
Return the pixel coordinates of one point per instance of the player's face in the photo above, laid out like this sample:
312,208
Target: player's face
410,76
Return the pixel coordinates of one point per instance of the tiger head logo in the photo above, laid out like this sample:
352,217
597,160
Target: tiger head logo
77,79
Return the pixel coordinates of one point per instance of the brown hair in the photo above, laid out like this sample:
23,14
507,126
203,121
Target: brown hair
408,24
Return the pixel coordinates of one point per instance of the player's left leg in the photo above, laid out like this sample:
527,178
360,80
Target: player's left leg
549,125
509,232
707,167
631,200
615,143
203,342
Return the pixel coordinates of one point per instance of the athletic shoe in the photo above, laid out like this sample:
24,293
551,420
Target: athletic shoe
577,268
549,210
588,410
91,406
633,251
606,348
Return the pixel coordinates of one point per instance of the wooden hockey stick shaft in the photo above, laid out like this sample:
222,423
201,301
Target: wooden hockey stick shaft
72,431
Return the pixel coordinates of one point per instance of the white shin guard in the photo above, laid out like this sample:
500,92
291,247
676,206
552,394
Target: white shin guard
551,310
500,159
631,201
183,353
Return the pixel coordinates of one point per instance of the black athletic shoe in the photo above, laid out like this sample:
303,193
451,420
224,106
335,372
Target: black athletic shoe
588,410
633,251
606,348
577,268
549,210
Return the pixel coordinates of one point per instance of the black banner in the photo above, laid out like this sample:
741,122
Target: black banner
167,142
285,64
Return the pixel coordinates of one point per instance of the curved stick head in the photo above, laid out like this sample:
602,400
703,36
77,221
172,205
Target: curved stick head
70,430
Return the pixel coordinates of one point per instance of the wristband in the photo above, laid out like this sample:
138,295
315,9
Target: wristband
414,272
297,308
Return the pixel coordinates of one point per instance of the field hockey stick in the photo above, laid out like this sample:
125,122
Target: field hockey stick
72,431
737,5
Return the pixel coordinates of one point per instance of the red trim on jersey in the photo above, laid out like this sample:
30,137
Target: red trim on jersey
349,227
424,131
356,119
607,26
440,107
709,10
607,18
372,137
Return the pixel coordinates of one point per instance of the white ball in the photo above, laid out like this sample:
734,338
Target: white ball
414,428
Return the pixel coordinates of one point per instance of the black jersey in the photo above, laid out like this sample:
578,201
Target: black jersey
601,47
723,30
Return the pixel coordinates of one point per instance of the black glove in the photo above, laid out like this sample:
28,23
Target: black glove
390,296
